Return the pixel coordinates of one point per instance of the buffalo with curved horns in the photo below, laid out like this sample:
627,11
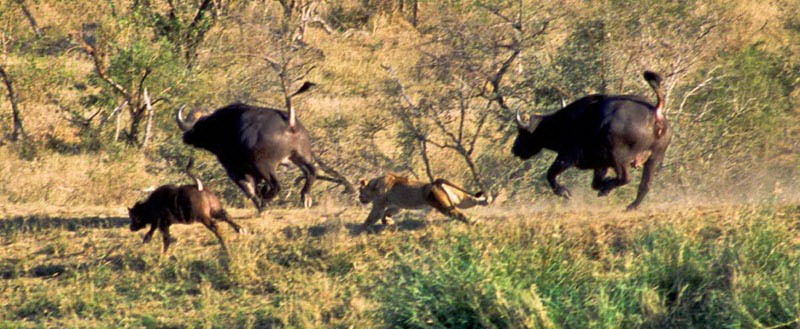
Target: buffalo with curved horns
251,142
600,132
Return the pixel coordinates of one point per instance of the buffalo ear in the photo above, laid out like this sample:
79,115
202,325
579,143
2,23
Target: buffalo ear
362,182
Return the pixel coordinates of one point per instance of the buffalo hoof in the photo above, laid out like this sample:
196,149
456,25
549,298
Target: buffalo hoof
147,238
260,210
562,192
604,190
307,202
632,207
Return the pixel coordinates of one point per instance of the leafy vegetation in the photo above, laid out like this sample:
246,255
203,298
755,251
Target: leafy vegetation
710,267
431,98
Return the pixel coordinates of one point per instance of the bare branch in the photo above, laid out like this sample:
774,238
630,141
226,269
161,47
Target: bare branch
696,88
116,109
100,70
19,130
497,78
496,11
338,178
29,17
402,88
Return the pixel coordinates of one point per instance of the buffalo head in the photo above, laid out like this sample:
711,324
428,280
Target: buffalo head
137,215
528,141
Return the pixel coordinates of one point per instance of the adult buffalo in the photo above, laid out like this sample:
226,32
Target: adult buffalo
251,142
600,132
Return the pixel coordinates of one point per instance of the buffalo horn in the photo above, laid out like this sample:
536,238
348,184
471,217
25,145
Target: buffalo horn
519,121
179,119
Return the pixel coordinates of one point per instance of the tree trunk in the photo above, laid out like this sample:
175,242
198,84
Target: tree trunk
137,114
424,150
149,125
414,13
19,130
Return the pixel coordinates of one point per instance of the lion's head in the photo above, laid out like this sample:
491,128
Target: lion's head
376,187
368,191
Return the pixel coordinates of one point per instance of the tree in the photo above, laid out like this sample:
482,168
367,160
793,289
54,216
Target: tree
125,69
184,24
468,55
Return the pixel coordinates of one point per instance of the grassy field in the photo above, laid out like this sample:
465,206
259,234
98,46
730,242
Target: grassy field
715,245
720,266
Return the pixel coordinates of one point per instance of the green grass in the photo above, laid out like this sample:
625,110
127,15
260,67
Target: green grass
718,267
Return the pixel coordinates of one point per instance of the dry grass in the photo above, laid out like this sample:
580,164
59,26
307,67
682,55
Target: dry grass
81,267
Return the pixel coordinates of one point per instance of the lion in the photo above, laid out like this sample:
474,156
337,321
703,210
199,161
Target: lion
392,192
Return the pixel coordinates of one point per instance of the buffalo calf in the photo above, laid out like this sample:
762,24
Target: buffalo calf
186,204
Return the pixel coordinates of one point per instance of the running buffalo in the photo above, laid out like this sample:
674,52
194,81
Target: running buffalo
251,142
600,132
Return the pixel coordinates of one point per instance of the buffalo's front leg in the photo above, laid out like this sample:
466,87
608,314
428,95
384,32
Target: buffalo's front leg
149,234
561,164
650,168
271,188
387,215
166,237
599,178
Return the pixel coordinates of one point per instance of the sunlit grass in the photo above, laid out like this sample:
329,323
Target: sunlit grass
694,267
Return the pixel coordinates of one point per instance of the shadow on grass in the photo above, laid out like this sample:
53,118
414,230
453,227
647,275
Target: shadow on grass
35,223
407,224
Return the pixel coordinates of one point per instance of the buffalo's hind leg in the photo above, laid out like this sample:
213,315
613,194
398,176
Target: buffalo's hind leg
211,225
561,164
647,176
223,216
310,173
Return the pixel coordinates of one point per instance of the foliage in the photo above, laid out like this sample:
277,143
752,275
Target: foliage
444,108
662,277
